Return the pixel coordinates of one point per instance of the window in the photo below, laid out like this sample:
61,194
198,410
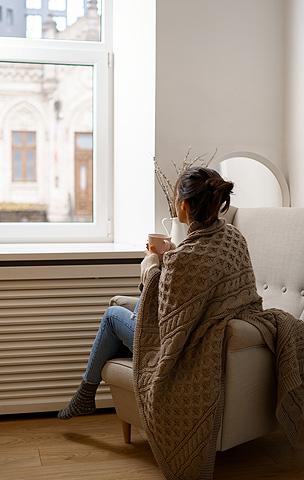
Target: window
33,26
0,13
55,148
57,4
34,4
24,156
9,17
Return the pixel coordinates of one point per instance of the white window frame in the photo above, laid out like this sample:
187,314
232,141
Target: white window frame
99,56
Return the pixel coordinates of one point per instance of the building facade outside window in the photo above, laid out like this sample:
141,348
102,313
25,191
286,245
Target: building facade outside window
54,102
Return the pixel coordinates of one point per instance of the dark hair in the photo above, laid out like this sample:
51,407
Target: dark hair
206,191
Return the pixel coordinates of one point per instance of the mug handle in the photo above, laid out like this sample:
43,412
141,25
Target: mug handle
164,220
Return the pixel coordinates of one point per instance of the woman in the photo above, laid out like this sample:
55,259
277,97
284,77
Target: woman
179,344
200,194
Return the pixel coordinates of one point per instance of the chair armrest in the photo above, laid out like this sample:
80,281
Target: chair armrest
241,334
122,301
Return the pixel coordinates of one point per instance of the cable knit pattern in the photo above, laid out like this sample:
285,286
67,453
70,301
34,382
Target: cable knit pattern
179,341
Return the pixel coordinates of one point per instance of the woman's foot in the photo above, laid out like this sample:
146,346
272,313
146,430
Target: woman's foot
82,402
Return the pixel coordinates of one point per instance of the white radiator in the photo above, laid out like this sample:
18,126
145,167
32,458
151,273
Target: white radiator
49,316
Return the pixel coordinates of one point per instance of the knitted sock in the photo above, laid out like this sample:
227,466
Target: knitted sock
82,402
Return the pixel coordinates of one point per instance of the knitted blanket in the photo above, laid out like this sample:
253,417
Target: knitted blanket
179,342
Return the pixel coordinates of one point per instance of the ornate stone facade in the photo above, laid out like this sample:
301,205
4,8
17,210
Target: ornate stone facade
56,103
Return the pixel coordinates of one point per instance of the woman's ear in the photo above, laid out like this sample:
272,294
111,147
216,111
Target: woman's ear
182,210
184,205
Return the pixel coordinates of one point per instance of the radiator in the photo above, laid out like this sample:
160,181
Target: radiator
49,316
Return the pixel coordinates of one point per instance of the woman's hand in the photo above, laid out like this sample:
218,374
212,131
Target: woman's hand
151,256
150,249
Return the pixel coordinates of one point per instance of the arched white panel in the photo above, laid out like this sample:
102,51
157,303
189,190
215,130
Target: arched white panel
254,175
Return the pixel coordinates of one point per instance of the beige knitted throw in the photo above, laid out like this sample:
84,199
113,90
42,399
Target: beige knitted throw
179,342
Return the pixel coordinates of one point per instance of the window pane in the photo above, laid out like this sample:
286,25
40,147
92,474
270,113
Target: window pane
30,138
30,166
33,26
33,3
83,177
51,155
57,4
17,138
56,19
84,141
17,166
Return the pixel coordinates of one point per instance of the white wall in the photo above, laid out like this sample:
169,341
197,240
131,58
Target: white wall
134,114
219,80
295,100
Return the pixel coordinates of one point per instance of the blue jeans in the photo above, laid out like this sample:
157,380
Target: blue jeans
115,334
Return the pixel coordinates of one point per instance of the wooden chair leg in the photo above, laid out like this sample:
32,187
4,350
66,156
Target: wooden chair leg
126,428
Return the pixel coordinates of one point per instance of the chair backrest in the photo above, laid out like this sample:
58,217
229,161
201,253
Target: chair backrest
275,238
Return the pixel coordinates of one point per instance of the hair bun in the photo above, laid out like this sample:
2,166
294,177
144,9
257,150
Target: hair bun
219,185
206,191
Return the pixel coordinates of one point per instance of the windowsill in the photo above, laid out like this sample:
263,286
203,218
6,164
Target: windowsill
68,251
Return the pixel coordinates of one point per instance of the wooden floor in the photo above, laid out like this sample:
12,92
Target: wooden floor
86,448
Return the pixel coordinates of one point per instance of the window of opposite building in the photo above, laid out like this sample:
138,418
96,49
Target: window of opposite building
33,26
24,156
33,4
57,4
9,16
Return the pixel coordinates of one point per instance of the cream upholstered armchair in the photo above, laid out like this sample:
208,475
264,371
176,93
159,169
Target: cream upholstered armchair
275,241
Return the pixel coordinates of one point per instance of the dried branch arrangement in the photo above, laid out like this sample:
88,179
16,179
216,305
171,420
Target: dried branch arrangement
167,186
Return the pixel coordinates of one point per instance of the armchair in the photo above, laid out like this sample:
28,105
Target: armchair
275,241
